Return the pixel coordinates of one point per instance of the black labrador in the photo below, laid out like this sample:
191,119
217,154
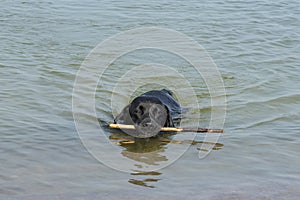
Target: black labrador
149,112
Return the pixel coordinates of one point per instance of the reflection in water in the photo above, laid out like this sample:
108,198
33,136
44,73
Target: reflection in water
145,181
149,151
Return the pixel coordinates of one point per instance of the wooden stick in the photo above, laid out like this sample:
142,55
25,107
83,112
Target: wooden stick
170,129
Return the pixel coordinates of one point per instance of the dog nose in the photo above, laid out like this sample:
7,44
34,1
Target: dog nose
146,122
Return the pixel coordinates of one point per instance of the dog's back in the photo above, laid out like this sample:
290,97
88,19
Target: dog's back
167,98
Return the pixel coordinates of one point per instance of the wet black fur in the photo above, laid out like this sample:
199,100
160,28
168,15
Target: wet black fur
137,112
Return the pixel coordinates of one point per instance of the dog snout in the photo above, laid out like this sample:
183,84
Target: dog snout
146,122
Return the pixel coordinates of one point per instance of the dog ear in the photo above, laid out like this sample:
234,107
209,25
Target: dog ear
169,120
124,116
166,91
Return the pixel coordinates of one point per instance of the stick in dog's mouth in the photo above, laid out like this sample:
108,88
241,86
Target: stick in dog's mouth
169,129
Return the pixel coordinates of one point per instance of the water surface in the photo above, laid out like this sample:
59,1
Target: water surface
255,46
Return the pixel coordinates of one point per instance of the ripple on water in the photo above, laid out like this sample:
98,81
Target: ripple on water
254,44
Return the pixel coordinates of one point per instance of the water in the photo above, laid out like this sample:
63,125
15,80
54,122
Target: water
255,46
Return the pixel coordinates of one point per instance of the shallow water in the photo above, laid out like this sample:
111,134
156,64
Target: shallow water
256,46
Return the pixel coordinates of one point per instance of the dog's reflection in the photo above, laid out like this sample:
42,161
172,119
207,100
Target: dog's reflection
145,182
149,151
153,146
145,150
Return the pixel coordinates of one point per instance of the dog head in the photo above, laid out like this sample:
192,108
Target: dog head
148,114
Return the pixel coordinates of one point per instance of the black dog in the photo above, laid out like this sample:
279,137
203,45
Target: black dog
149,112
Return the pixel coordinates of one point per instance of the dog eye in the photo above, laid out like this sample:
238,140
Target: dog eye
139,110
141,107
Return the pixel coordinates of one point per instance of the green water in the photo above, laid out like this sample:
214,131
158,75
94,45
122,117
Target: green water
256,46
